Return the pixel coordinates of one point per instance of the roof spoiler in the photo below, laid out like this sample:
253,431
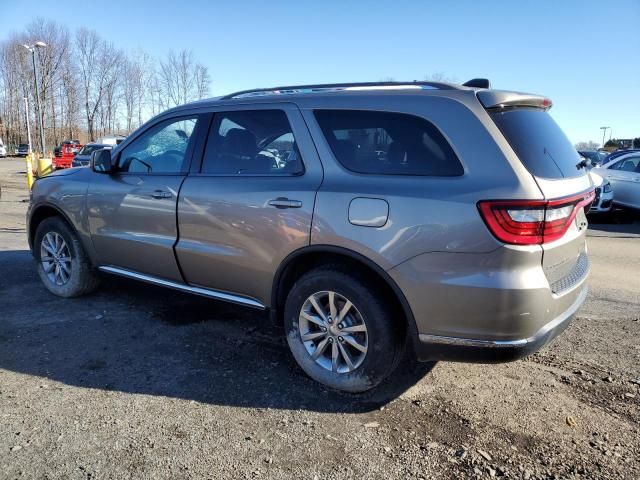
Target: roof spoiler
478,83
496,99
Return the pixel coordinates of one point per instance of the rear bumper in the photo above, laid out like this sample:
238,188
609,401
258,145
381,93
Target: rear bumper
455,349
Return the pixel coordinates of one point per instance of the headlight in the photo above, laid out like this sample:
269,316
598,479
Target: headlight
606,188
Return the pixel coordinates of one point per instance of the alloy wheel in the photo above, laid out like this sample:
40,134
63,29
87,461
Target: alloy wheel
55,258
333,332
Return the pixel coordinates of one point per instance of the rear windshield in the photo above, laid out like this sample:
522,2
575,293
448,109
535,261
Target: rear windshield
539,142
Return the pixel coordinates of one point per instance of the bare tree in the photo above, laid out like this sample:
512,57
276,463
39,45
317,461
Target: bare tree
440,77
590,145
182,79
98,62
88,85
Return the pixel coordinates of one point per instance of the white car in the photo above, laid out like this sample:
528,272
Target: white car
604,194
624,174
3,150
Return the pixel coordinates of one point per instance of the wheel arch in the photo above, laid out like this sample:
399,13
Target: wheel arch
41,213
307,258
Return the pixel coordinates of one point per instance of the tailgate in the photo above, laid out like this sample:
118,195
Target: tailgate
554,163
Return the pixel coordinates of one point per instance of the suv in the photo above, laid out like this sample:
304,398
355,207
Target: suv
22,150
463,240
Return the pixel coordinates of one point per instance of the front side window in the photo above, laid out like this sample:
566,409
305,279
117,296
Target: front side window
387,143
161,149
252,142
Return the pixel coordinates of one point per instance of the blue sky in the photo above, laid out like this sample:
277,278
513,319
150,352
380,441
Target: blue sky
584,55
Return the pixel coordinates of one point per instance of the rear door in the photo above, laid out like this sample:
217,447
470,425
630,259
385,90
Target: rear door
250,204
545,151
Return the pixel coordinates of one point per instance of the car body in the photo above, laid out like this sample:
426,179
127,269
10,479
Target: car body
603,202
3,149
83,157
463,237
22,150
596,156
624,174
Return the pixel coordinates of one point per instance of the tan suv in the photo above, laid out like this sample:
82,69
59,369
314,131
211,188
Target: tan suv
368,218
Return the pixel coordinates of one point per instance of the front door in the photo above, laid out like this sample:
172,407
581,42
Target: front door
251,203
132,211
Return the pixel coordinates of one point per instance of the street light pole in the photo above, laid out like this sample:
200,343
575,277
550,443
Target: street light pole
32,49
604,131
26,117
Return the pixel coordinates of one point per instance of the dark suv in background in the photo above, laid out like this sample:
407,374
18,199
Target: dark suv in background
367,218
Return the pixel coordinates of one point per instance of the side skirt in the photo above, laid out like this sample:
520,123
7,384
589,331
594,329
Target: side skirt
205,292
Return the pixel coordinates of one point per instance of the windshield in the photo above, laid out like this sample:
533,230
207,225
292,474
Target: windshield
539,142
591,155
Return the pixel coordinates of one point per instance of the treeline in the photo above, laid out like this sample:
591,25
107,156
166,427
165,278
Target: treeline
88,87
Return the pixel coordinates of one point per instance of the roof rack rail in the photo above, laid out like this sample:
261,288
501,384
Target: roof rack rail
338,86
478,83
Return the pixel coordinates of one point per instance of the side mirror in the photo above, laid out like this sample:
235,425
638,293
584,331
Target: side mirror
101,161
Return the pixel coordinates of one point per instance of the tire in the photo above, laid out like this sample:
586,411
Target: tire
79,276
383,338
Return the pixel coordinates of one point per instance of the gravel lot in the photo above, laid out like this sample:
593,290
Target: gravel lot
139,382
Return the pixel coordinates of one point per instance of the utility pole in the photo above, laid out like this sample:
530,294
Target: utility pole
32,49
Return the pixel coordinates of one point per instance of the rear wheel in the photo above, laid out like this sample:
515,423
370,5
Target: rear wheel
63,265
341,329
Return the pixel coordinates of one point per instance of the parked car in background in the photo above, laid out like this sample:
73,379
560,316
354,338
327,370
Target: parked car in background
83,158
22,150
3,149
112,140
624,174
465,240
57,152
596,156
67,152
603,201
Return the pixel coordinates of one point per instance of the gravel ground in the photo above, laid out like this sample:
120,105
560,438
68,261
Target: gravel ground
139,382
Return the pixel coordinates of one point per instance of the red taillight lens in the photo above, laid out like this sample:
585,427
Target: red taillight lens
529,222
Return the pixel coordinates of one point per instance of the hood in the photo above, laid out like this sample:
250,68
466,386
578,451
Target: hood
64,172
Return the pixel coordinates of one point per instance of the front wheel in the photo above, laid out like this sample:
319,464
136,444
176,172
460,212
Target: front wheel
63,265
341,329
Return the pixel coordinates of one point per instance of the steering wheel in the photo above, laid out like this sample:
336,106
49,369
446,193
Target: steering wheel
130,160
174,152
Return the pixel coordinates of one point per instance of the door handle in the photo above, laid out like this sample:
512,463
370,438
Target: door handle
282,202
161,194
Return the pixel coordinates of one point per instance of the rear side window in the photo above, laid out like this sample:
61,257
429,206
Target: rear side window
387,143
252,142
539,142
629,164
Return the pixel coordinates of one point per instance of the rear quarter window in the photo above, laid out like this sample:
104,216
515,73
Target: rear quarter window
539,142
387,143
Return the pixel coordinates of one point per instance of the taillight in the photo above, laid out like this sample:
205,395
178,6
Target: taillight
529,222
